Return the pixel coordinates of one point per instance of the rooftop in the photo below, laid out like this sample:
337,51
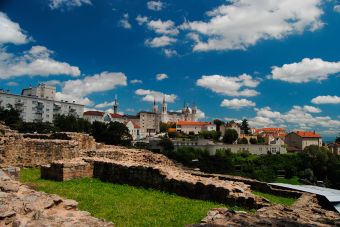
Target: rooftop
193,123
305,134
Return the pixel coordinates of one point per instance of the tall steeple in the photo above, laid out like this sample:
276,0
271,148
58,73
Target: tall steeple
155,107
115,106
193,112
164,105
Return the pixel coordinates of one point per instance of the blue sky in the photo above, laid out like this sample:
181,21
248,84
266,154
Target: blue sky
276,63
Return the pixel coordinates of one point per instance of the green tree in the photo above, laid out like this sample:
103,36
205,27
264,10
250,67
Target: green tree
337,139
10,116
230,136
218,124
118,134
253,141
260,140
242,141
245,127
166,144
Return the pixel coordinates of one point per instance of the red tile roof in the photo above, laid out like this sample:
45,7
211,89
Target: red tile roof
307,134
193,123
94,113
116,115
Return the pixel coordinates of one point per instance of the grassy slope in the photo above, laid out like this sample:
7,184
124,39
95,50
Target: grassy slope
294,180
276,199
124,205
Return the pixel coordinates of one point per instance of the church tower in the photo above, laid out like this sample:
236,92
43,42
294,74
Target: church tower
164,114
194,112
155,107
115,106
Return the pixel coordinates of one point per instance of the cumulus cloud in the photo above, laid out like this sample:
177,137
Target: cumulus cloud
170,53
336,8
299,117
160,41
328,99
239,24
12,84
78,89
229,85
35,62
135,81
305,71
155,5
124,22
59,4
142,19
10,32
161,76
237,103
53,82
104,104
150,96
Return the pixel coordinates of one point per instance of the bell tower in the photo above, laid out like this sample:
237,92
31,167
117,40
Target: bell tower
115,105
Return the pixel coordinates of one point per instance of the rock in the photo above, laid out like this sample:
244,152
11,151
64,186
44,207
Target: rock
7,214
9,186
69,204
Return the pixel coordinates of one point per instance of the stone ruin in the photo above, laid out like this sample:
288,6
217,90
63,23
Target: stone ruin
80,156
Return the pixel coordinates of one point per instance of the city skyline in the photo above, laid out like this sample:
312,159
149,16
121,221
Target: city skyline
280,69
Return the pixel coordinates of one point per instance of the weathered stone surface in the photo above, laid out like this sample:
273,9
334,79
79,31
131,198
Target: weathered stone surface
305,212
26,207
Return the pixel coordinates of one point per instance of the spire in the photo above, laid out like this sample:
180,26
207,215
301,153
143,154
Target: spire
155,108
115,106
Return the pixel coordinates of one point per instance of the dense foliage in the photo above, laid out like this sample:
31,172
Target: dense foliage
312,165
230,136
114,133
245,127
70,123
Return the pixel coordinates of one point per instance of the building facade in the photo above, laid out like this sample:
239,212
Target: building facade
38,104
186,114
297,141
192,127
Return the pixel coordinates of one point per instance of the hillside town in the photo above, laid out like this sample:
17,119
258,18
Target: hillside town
39,104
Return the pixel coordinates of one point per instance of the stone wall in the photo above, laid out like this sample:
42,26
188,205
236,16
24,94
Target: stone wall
61,171
15,150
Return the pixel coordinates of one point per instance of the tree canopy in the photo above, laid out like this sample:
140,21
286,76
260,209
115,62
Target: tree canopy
230,136
245,127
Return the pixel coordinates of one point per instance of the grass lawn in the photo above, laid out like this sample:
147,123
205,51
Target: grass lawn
294,180
276,199
124,205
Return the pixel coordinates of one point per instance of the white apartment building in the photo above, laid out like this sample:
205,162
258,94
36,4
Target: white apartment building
38,104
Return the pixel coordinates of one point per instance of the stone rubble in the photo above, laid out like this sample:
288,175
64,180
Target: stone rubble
23,207
305,212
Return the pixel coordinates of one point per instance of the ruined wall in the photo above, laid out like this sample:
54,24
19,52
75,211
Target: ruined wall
15,150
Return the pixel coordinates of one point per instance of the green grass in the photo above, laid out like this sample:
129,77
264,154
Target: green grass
124,205
294,180
287,201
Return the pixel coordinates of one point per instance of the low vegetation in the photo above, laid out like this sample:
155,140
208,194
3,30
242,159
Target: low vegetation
124,205
276,199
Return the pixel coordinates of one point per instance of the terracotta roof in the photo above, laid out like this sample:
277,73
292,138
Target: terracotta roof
193,123
116,115
270,129
171,130
94,113
307,134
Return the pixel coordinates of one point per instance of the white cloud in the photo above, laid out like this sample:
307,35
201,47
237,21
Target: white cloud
161,76
299,117
311,109
200,114
35,62
237,103
10,32
160,41
135,81
155,5
242,23
104,104
305,71
57,4
12,84
336,8
142,19
170,53
150,96
124,22
72,98
78,89
328,99
163,27
228,85
53,82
